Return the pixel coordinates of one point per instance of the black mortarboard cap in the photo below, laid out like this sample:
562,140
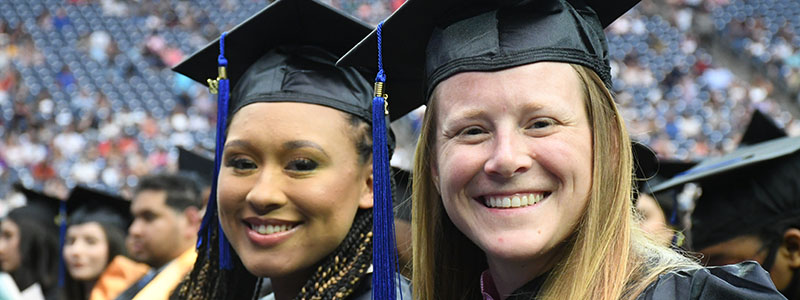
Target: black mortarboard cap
197,164
650,170
287,53
744,191
99,206
38,206
761,128
45,211
425,42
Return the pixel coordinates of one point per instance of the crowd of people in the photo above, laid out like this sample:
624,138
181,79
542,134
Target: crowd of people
88,102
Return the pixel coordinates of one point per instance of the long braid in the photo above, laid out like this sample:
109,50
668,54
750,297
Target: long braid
341,272
208,281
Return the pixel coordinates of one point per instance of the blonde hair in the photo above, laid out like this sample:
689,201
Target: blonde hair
608,256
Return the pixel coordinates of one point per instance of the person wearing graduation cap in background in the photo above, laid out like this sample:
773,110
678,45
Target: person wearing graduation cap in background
200,167
522,179
296,175
166,216
97,224
659,215
749,207
29,247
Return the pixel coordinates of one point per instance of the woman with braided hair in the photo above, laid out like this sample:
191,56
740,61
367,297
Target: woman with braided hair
293,192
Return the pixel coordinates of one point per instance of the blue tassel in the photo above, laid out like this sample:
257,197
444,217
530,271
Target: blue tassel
384,254
62,233
223,96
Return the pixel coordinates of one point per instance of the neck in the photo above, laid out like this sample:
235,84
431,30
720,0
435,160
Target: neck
289,286
511,274
87,287
792,291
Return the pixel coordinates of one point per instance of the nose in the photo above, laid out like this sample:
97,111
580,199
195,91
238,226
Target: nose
266,193
136,227
509,156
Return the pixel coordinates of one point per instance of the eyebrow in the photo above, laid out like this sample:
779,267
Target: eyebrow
287,146
297,144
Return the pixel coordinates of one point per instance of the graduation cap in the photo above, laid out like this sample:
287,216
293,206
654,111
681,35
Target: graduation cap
85,205
649,171
425,42
48,212
287,53
196,164
42,208
761,128
744,190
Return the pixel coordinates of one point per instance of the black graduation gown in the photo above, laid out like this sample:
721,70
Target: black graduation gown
365,290
745,280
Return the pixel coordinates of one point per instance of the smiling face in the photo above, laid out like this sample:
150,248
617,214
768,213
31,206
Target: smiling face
86,251
289,186
513,159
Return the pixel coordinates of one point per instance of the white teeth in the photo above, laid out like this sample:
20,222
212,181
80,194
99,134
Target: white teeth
515,201
270,229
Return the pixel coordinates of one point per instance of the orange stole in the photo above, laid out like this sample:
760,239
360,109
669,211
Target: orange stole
162,285
120,273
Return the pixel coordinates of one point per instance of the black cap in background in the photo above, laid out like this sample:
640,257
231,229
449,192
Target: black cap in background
196,164
94,205
746,190
38,206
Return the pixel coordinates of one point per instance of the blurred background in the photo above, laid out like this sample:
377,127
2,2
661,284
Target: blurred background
87,95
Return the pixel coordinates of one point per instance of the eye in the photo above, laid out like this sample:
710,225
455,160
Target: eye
301,165
471,131
542,123
240,163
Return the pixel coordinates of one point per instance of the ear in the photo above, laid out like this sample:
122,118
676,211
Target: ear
435,177
193,218
791,244
366,200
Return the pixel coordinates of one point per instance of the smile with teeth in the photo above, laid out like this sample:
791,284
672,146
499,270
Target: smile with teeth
513,201
270,229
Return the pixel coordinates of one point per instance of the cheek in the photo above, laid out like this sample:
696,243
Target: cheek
229,191
456,166
100,253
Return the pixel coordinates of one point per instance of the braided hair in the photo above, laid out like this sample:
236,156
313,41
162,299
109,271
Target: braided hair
338,275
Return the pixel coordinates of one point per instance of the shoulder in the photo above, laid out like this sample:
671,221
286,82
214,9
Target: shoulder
745,280
366,293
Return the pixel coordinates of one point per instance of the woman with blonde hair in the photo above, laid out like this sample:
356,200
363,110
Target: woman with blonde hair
522,180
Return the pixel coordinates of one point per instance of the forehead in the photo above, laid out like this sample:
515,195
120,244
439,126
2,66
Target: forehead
278,122
542,84
742,246
149,200
9,226
90,228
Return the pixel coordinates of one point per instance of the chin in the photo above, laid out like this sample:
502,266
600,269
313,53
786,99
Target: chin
260,268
